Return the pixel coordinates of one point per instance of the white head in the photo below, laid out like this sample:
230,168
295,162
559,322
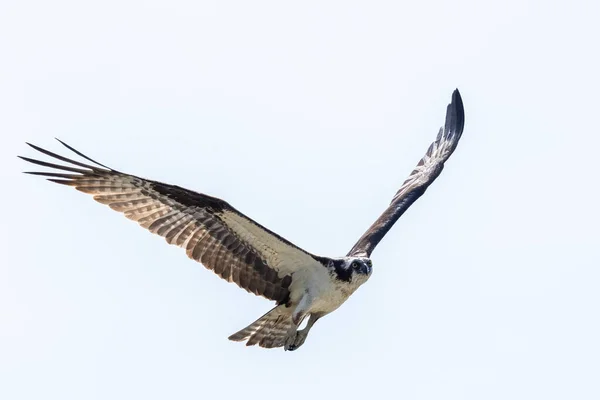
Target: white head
353,269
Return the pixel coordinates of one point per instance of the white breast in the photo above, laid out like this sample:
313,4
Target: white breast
329,293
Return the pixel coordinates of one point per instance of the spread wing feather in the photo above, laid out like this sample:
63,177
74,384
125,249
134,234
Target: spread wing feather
210,230
426,171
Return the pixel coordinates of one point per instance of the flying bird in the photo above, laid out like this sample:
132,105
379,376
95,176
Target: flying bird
240,250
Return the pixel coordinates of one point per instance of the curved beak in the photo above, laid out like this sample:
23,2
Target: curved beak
365,269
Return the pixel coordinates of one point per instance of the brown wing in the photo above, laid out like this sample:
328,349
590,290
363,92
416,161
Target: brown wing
211,231
426,171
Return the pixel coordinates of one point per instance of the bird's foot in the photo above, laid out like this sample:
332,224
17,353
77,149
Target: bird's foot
292,343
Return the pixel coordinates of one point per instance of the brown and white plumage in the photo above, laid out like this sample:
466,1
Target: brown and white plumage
270,330
426,171
242,251
211,231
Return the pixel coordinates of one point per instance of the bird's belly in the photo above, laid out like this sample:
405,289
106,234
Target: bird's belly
325,292
329,298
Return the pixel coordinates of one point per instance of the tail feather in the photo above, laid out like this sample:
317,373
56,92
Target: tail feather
268,331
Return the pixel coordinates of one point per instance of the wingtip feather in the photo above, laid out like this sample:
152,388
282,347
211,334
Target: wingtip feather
82,155
61,181
455,115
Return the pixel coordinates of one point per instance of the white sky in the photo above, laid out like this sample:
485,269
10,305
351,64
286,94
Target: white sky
307,116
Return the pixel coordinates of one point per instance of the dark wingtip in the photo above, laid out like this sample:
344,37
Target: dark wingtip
82,155
24,159
31,160
455,115
61,181
33,146
457,100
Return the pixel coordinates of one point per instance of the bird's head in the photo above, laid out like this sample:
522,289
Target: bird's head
353,269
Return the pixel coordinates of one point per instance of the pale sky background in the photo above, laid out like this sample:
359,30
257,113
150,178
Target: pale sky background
306,116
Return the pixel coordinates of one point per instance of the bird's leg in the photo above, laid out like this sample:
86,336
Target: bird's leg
298,315
301,335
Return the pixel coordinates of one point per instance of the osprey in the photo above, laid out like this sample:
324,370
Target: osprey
241,250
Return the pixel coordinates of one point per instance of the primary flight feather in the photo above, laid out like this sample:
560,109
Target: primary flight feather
242,251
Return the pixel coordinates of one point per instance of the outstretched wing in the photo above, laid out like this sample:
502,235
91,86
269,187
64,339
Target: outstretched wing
423,175
211,231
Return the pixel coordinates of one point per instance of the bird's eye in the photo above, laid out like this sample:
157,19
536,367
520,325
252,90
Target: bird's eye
369,263
354,264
